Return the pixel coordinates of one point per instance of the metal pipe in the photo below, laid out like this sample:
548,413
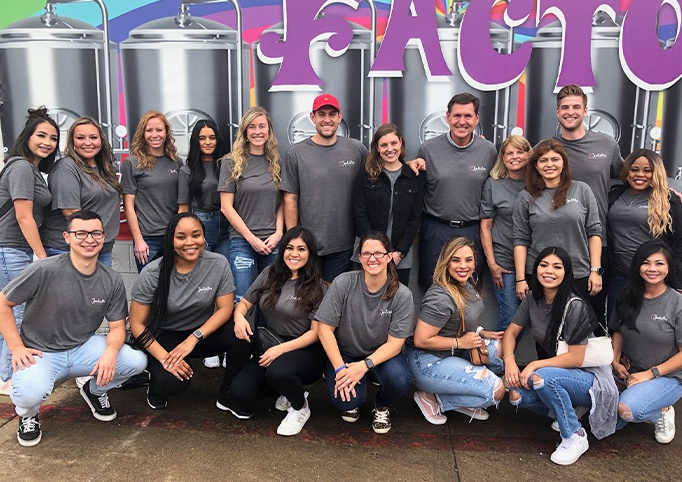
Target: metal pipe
372,80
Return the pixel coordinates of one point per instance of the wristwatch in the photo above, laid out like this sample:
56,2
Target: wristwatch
599,270
198,334
655,371
369,363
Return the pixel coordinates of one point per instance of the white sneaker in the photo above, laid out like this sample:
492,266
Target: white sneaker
80,381
212,362
6,387
579,412
294,421
282,404
665,427
474,413
570,449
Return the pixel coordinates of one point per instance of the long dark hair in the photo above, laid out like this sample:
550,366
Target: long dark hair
197,172
393,282
566,291
159,308
309,282
20,147
535,184
629,301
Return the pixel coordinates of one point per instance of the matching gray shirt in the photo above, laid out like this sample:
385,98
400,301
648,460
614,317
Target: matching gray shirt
256,197
659,334
627,223
155,190
363,320
210,198
323,177
455,176
191,298
21,180
64,307
538,225
497,203
73,188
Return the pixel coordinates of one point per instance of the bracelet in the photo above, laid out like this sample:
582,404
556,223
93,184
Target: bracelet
479,329
508,354
452,347
340,368
521,280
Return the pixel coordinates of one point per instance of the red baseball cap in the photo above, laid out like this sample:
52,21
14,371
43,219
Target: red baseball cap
326,99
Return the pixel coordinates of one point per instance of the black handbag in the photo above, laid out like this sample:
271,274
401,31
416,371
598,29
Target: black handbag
265,339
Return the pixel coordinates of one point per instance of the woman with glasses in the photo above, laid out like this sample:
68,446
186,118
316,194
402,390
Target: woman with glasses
364,321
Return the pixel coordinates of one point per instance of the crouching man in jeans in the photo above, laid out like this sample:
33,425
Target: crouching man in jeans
67,297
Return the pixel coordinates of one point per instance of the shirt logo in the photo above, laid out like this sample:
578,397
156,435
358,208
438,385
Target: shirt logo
204,289
656,317
292,298
597,155
386,312
478,169
572,200
173,171
348,163
96,301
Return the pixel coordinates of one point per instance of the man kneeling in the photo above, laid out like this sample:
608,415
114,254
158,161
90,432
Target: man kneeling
67,297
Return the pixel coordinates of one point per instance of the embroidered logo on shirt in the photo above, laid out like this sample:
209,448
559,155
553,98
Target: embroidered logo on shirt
597,155
572,200
348,163
478,169
386,312
656,317
292,298
173,171
96,301
204,289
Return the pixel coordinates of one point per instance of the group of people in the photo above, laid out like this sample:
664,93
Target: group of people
229,234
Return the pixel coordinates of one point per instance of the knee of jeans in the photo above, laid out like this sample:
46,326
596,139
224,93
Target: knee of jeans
514,397
538,381
624,412
26,396
499,390
242,263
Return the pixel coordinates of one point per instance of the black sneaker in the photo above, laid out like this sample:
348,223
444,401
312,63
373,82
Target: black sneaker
154,400
99,404
226,404
29,433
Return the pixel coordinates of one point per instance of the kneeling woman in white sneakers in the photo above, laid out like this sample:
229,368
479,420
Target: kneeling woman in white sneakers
364,321
555,383
288,293
647,341
438,353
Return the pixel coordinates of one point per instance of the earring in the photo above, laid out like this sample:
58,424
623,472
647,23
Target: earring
474,278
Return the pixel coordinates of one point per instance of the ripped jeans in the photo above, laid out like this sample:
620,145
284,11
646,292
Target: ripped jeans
454,381
246,264
645,400
559,391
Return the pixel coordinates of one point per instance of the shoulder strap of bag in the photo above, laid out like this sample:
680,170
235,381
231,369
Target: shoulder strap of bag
563,318
9,203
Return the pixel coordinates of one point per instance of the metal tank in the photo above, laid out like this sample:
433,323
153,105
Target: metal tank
345,77
418,106
187,68
615,105
57,62
671,127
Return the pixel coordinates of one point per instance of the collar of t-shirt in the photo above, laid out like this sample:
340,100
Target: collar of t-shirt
457,146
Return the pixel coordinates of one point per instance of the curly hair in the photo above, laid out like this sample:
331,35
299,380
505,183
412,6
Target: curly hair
139,147
442,277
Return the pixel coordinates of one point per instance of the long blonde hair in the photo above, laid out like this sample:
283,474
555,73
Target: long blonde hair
240,148
499,170
659,218
442,277
139,147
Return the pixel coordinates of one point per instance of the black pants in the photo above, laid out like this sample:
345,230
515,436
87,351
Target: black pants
221,341
286,375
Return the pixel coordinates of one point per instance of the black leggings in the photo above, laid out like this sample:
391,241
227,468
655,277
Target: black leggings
223,340
286,376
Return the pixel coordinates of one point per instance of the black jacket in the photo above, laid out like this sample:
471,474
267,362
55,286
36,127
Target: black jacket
672,239
372,202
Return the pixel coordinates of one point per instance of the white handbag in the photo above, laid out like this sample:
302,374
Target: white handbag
599,350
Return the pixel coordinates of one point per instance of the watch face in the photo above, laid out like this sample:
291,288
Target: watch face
369,363
198,334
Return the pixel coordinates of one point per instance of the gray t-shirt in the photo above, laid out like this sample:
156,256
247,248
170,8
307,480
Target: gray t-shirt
256,197
455,176
363,321
593,159
73,188
497,203
191,297
21,180
538,225
439,310
64,307
155,190
324,178
628,227
287,318
537,316
659,334
210,198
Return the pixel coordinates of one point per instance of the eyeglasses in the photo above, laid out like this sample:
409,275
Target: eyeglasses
368,254
96,234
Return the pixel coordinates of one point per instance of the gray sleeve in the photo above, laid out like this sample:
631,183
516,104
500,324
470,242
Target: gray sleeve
678,327
616,162
437,308
487,209
250,295
145,286
226,285
25,286
21,181
225,184
183,186
593,225
521,220
118,305
128,180
402,320
331,308
289,181
65,186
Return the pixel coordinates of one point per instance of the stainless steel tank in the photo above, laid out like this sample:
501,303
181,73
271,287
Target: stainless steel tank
188,68
418,106
671,126
614,104
345,77
57,62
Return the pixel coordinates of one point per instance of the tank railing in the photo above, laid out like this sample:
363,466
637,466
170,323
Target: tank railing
505,126
240,66
184,18
108,121
370,126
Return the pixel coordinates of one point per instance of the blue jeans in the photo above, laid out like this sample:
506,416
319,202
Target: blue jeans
216,231
33,385
616,284
246,264
154,243
645,400
507,300
559,391
393,377
333,264
104,258
454,381
12,263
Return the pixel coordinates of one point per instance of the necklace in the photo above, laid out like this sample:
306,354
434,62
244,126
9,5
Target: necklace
633,199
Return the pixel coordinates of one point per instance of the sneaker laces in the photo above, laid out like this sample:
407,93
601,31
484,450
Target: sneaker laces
381,416
28,424
103,400
662,423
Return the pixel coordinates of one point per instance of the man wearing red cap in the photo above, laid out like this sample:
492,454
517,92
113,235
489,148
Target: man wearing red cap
317,180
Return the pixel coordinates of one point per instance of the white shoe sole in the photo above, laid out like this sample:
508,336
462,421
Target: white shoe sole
98,416
30,443
481,415
288,433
